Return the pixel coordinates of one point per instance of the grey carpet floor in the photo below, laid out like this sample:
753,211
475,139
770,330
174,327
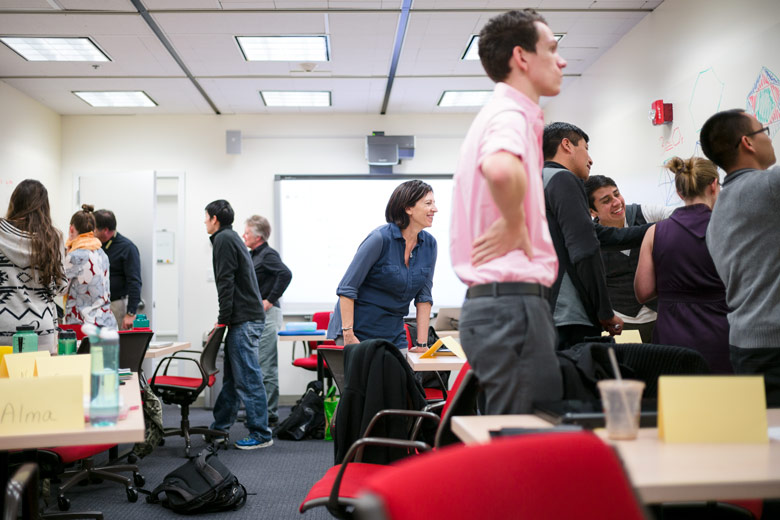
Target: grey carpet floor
276,478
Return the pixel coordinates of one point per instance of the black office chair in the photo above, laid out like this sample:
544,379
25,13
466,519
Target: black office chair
133,345
184,390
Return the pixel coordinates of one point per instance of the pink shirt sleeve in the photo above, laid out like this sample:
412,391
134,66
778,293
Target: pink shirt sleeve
506,132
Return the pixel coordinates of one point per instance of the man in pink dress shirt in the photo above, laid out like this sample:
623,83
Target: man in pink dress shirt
499,239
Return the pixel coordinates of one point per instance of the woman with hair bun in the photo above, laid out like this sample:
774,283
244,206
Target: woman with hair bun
86,268
31,272
675,265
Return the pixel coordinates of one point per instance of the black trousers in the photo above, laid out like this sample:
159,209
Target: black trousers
765,361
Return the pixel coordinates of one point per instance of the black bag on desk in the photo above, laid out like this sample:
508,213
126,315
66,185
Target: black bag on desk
201,485
307,417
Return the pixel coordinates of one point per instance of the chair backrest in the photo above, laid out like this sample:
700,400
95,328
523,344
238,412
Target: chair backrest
558,475
322,319
132,348
334,357
649,362
461,400
83,346
208,358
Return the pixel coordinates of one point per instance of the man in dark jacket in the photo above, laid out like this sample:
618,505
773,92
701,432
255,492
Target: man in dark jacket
240,308
124,268
273,277
581,305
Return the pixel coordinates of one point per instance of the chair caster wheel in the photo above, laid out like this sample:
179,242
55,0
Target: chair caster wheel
132,458
63,503
162,442
139,480
132,494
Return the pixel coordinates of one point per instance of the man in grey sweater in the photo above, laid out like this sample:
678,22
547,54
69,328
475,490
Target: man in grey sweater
742,238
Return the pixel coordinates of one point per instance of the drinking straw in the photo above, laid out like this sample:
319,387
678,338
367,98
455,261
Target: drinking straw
616,370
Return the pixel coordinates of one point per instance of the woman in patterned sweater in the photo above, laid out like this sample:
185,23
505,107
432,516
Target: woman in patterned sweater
86,267
31,273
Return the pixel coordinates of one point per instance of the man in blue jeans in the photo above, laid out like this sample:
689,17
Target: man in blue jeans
240,308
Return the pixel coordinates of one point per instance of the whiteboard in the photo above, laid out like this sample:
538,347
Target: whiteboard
322,219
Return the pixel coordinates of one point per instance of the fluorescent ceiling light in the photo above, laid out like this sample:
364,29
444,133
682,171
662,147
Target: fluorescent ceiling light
117,99
472,50
284,48
464,98
292,98
55,49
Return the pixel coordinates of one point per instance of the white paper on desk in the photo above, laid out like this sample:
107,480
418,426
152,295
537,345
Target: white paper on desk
160,344
774,433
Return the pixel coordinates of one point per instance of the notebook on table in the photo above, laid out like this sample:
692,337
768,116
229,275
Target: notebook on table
589,414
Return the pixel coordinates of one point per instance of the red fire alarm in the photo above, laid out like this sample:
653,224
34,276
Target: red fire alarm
661,112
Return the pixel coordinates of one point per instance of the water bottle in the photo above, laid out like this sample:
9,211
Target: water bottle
104,404
25,339
141,322
66,342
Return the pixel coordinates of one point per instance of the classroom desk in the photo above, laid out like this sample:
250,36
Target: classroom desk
152,353
662,472
434,363
127,430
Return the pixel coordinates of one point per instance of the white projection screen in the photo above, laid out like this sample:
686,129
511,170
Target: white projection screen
322,219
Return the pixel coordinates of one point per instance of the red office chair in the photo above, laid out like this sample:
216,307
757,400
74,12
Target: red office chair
67,455
184,390
309,361
339,487
557,475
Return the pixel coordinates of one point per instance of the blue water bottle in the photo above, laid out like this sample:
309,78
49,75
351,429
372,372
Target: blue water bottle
104,351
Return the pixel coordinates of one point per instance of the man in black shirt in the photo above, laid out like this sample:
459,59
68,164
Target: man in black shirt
124,268
580,302
273,277
240,308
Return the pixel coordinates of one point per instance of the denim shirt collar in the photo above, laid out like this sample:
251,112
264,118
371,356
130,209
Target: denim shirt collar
395,232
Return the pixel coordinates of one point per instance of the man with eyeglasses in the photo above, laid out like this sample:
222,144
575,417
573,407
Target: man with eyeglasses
743,237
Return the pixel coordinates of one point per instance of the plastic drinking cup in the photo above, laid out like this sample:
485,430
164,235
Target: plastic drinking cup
622,401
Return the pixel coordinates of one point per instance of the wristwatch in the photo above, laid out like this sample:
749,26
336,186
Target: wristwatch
131,314
423,345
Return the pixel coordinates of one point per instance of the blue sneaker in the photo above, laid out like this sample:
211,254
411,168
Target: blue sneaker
250,443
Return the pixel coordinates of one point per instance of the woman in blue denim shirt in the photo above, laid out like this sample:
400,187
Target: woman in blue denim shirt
392,266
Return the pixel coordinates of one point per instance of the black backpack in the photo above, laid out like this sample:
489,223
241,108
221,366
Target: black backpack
201,485
307,417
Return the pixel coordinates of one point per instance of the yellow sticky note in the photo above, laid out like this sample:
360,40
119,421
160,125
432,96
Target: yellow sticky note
22,365
627,336
41,405
712,409
65,366
4,349
449,342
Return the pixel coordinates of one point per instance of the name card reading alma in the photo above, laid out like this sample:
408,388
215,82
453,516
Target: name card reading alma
41,405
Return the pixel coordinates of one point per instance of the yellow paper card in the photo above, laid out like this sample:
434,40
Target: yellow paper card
712,409
66,366
627,336
23,364
39,405
4,349
449,342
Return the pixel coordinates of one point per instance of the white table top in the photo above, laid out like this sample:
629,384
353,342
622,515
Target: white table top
434,363
664,472
304,337
166,351
130,429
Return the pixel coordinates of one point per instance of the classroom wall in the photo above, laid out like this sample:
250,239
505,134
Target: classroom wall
279,144
30,142
700,55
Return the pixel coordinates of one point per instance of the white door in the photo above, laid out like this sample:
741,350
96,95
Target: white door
132,197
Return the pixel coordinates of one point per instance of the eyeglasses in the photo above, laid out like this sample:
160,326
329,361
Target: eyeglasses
762,129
